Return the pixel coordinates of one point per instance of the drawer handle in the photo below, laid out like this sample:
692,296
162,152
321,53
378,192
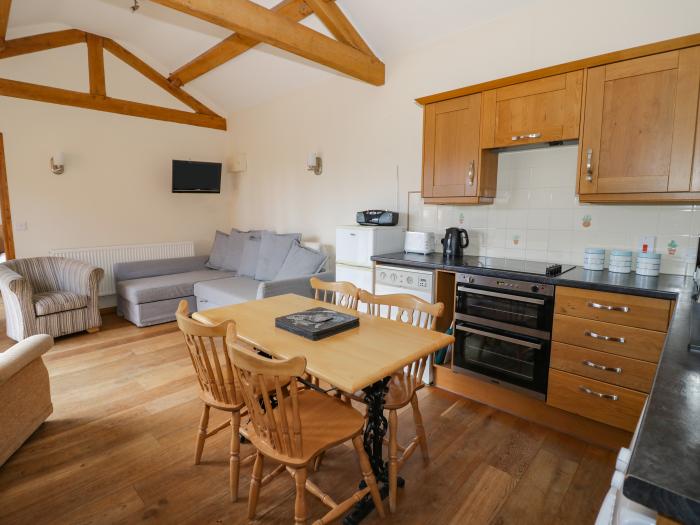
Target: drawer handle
609,308
604,337
526,136
586,390
602,367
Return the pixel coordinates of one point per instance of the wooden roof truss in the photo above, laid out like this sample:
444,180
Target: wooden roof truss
279,26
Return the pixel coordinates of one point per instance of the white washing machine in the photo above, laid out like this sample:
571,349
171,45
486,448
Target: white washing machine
398,279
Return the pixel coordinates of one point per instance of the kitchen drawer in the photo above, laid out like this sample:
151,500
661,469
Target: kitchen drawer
626,341
629,310
620,371
620,407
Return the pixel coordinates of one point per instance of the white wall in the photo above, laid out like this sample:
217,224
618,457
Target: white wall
116,186
365,132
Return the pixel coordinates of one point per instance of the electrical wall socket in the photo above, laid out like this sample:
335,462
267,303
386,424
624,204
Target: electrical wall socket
21,226
649,241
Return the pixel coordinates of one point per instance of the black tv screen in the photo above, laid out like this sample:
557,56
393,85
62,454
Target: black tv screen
196,177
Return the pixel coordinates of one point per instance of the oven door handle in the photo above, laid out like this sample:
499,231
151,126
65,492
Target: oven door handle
501,295
513,340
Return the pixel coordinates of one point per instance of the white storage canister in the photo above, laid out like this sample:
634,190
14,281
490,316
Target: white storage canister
648,264
620,261
594,259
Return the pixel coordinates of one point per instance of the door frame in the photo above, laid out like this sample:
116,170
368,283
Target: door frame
5,206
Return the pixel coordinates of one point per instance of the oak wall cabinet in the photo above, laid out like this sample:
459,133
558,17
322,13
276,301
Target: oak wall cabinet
639,131
454,170
634,113
543,110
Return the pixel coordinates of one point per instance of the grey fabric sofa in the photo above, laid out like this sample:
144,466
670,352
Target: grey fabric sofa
49,295
148,292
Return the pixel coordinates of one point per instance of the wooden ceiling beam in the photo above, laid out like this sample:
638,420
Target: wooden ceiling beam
338,24
139,65
234,45
96,65
4,19
254,21
42,42
27,91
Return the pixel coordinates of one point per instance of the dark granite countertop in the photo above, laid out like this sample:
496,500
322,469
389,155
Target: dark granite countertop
664,471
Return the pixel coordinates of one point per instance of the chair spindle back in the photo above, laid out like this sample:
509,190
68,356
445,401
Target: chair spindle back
207,349
408,309
340,293
279,425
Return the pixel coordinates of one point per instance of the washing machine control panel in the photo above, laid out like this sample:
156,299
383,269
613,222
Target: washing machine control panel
404,278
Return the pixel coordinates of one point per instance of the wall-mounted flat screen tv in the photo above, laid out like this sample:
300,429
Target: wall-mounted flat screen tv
196,177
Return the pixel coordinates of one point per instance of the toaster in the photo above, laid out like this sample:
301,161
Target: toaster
419,242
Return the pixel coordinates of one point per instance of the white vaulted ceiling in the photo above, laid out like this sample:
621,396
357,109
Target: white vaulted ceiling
168,39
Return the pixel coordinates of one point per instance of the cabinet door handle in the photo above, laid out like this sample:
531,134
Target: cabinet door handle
589,165
586,390
609,308
602,367
526,136
604,337
470,174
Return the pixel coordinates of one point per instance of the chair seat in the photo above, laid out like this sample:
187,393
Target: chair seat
325,422
402,387
47,303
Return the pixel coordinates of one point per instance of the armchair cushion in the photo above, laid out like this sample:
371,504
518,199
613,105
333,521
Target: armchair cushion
47,303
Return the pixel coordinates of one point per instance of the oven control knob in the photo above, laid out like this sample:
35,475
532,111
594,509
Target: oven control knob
535,288
382,276
471,280
394,277
409,280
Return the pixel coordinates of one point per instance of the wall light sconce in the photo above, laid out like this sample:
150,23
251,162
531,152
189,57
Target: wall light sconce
57,164
314,163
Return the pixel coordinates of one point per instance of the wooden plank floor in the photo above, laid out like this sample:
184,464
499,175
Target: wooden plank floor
119,446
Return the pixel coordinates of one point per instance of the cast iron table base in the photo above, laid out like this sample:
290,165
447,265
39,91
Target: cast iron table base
375,430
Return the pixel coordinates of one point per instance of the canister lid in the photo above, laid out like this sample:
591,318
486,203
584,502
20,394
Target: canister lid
648,255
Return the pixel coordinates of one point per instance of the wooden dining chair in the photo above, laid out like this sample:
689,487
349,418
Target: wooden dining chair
340,293
218,385
297,428
406,382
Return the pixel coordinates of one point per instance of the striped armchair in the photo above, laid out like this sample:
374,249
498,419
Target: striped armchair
49,295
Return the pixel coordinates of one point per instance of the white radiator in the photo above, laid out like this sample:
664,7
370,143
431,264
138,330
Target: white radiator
106,257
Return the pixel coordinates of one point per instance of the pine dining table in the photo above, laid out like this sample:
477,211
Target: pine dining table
359,359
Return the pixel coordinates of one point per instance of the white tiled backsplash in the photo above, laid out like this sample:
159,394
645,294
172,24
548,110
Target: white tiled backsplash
536,215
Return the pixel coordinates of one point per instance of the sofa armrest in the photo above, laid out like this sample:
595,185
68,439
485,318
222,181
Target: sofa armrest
295,285
156,267
20,355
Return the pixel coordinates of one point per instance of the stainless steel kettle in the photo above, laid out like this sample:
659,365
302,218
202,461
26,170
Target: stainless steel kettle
456,239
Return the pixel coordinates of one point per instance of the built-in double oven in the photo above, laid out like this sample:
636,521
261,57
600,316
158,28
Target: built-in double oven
503,331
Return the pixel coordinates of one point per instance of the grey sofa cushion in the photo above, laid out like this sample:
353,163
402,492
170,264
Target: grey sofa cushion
235,246
274,248
249,259
154,267
227,291
218,251
163,287
301,261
